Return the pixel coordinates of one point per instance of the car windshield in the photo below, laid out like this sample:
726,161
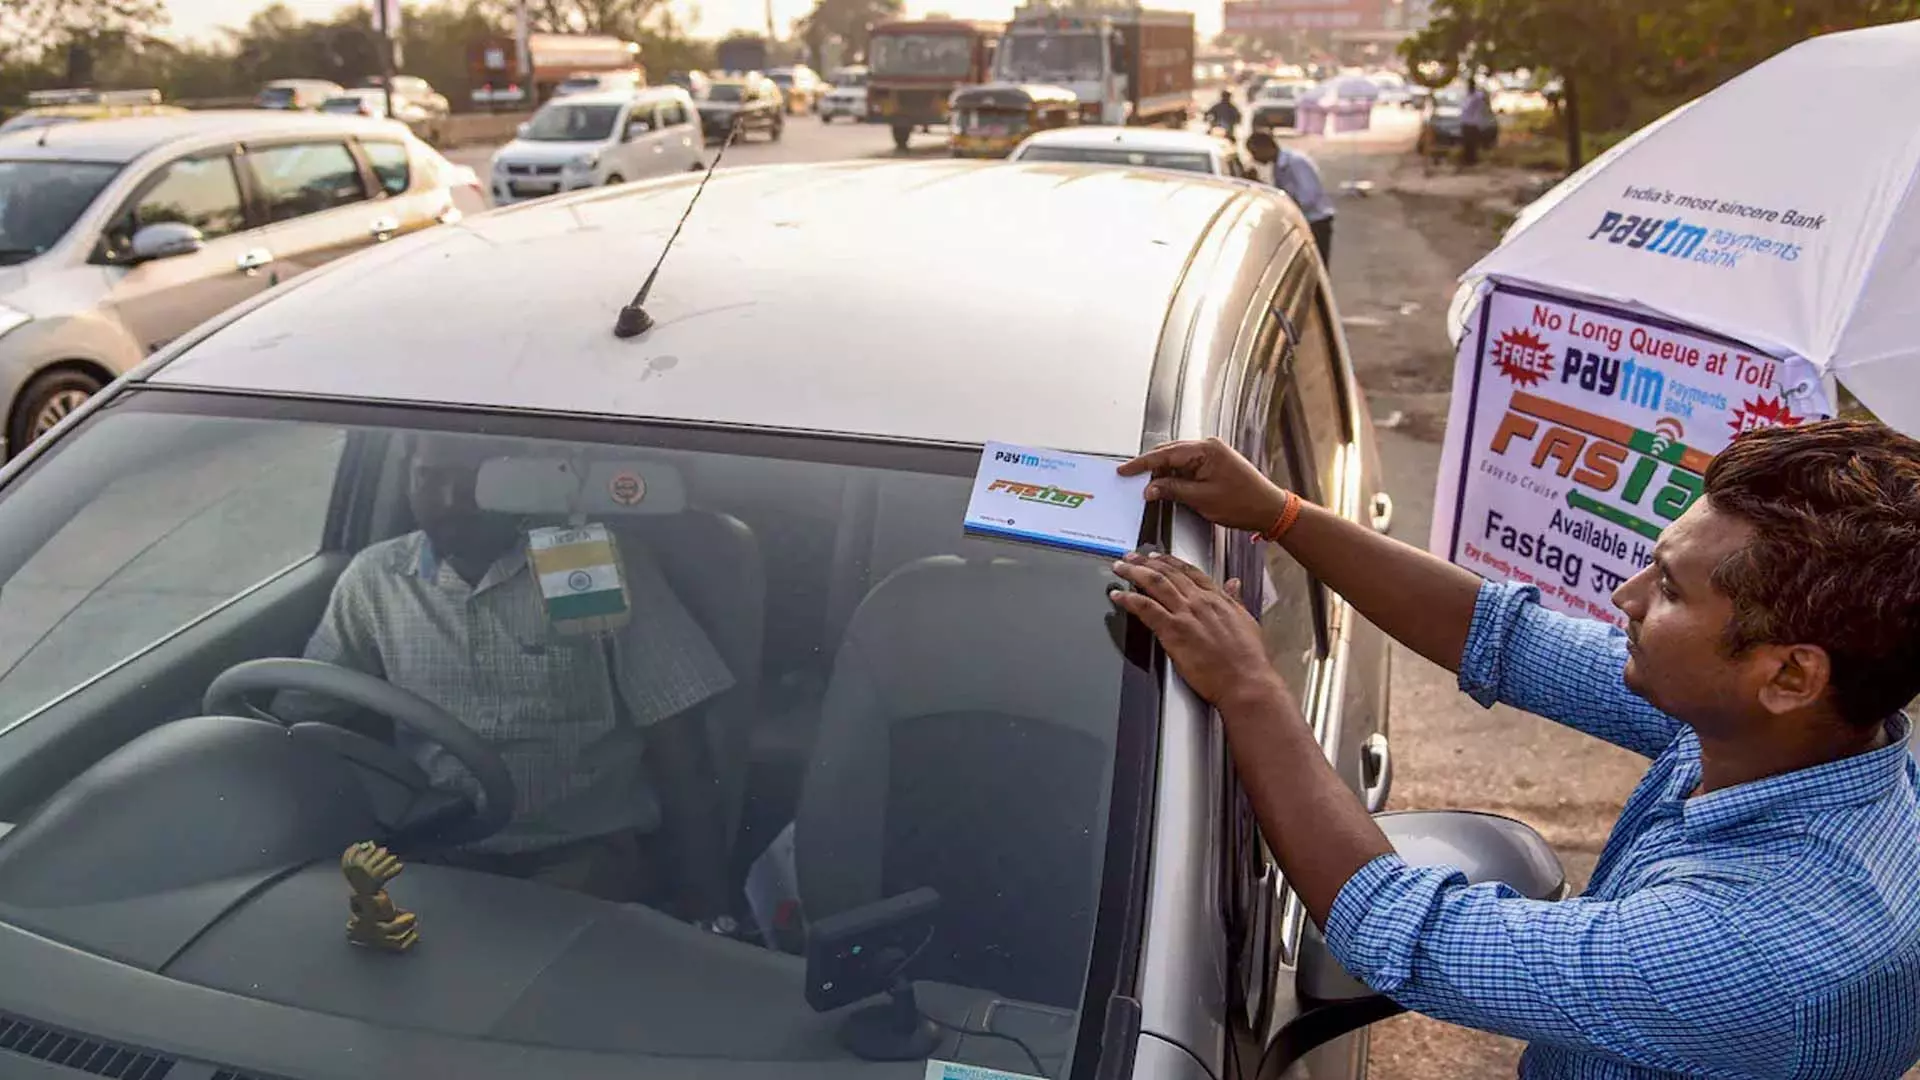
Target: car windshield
40,200
742,679
949,55
350,105
1150,159
849,80
781,79
578,85
276,97
1041,57
572,123
726,93
1280,91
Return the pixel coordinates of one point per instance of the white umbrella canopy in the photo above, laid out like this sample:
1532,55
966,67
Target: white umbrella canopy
1781,210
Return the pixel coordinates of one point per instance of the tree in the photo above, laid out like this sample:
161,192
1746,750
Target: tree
73,32
850,21
1622,62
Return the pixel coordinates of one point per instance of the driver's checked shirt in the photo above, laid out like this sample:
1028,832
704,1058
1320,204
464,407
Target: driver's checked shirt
488,656
1770,929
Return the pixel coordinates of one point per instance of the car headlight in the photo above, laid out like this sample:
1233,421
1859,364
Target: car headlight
584,162
12,319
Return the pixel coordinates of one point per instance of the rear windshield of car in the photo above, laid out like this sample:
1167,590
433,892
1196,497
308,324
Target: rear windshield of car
1150,159
40,200
276,96
572,123
726,93
921,708
341,105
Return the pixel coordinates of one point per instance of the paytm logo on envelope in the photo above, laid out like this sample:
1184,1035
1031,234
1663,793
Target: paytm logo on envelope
1031,460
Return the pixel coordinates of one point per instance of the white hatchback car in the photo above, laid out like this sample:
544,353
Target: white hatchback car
586,140
1152,148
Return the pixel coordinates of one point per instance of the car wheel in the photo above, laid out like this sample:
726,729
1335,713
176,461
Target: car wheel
614,178
696,167
901,136
773,133
46,401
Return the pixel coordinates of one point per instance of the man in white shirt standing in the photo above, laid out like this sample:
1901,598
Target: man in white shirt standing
1297,175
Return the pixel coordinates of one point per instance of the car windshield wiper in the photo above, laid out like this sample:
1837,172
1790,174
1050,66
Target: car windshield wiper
10,255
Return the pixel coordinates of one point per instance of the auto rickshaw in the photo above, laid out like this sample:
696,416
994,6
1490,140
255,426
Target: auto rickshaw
990,120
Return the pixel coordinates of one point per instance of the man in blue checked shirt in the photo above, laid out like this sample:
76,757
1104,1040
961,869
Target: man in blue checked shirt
1756,912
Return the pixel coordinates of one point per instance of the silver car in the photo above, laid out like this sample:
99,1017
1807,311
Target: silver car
969,821
117,236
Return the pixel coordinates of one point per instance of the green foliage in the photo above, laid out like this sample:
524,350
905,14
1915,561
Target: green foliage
38,36
1624,60
851,22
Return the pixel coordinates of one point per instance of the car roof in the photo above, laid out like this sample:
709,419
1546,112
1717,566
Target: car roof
123,139
949,301
1164,140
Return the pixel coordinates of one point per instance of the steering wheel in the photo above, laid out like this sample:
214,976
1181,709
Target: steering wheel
229,694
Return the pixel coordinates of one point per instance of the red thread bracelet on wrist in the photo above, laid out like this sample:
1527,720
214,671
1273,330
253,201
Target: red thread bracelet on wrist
1289,513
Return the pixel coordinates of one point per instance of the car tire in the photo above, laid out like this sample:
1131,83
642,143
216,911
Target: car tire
614,178
45,401
773,133
901,136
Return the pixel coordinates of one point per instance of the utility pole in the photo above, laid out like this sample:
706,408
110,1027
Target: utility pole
771,36
389,16
523,48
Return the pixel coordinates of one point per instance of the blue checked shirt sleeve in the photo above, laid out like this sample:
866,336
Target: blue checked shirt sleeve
1565,669
1657,979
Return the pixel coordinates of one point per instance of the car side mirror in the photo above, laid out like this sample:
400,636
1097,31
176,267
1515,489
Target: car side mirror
1485,847
165,240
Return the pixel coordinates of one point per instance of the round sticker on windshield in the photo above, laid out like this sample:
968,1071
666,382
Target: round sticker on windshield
627,489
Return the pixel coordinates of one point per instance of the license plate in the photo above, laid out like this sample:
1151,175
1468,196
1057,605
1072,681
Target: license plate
523,187
992,130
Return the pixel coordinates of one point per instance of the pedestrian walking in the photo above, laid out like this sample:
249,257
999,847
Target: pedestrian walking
1297,175
1477,123
1755,911
1224,114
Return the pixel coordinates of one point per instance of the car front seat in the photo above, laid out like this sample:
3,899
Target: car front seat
966,743
714,564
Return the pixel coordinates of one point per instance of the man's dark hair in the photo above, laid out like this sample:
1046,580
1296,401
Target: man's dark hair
1835,558
1261,140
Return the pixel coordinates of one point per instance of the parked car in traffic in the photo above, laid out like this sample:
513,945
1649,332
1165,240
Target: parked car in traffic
1441,130
591,82
846,95
1277,105
296,94
117,236
1394,90
693,82
963,735
372,103
752,102
590,140
1137,147
50,108
800,88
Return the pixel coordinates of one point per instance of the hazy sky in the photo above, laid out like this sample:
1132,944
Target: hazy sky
201,18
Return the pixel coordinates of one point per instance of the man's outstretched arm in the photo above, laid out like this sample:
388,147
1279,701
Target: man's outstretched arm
1422,601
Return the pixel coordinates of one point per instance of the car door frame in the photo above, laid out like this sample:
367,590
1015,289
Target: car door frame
1265,919
680,142
416,206
255,234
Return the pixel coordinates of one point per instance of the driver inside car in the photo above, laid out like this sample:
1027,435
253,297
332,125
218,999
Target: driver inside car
605,740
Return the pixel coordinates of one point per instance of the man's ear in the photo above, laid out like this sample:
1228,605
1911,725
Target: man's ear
1800,677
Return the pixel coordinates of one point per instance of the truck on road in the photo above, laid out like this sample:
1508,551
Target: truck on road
915,65
742,54
496,79
1126,66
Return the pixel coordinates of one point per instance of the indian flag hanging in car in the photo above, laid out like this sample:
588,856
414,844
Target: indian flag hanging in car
579,572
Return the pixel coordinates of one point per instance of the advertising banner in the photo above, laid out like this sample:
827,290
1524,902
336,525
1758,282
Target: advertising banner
1577,432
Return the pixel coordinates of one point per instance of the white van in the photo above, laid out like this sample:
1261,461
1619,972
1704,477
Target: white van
586,140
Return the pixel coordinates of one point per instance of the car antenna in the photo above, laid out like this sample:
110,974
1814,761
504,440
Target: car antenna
633,319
